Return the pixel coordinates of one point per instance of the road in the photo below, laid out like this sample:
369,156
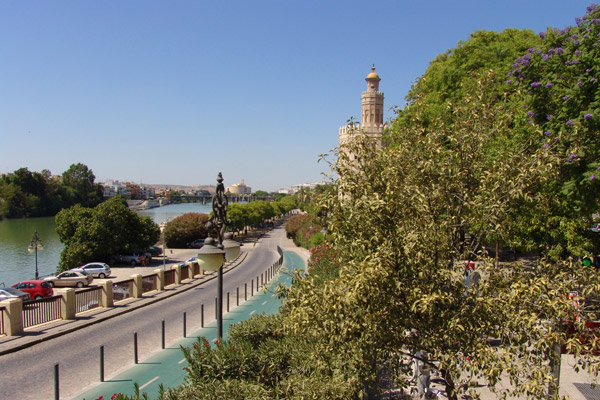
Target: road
29,373
166,367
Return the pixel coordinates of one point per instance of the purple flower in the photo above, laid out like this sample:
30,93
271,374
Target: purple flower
587,71
531,49
578,53
579,83
588,116
591,8
546,145
545,57
530,114
549,116
548,85
598,168
559,50
565,98
536,84
572,156
509,82
593,80
570,122
592,177
547,133
542,35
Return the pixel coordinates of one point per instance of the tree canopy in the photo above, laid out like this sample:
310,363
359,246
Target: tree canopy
96,234
35,194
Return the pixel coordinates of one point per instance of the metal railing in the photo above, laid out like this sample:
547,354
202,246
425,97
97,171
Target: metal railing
88,299
149,283
122,290
170,277
41,311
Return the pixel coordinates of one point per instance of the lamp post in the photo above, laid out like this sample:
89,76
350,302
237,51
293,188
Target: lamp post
34,246
215,250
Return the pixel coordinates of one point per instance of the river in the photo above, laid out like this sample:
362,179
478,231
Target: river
17,264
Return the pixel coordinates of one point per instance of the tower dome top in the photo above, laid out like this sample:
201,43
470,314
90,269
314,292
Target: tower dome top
373,75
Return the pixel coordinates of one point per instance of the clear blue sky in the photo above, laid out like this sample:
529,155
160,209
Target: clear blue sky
176,91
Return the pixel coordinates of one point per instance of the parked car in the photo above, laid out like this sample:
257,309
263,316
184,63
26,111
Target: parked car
95,269
196,244
10,293
37,289
70,278
129,258
154,251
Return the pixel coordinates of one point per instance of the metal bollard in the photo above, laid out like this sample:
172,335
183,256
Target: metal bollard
202,315
184,323
163,334
56,382
227,301
216,308
135,348
257,283
245,291
237,296
101,363
252,288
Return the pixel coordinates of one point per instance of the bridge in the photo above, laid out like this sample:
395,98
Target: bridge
207,198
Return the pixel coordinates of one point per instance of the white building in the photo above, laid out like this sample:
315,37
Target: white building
239,188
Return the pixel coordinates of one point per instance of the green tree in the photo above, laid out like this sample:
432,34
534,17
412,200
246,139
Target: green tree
560,77
81,179
185,229
261,193
99,233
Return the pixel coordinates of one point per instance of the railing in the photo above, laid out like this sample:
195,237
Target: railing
122,290
87,299
2,312
170,277
149,283
185,272
41,311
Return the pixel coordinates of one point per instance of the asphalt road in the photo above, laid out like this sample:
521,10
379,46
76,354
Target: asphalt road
167,366
29,373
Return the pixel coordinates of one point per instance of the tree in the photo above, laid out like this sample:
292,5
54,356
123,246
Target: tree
261,193
99,233
560,77
81,179
185,228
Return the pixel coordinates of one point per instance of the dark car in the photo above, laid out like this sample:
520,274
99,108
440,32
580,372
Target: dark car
154,251
37,289
196,244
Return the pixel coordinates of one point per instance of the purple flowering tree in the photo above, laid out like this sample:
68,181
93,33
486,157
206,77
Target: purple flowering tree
563,101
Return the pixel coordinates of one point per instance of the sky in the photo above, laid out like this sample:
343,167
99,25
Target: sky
174,92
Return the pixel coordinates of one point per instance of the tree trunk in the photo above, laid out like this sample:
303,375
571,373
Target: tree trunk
450,387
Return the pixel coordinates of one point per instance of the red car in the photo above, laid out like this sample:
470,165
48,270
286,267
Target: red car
37,289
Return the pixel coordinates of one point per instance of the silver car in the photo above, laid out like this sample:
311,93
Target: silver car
10,293
95,269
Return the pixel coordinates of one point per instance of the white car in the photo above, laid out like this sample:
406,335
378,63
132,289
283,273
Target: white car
95,269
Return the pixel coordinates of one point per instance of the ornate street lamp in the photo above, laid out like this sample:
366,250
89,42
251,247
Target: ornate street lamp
34,246
214,252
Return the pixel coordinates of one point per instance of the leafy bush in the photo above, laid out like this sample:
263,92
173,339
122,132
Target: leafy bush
302,227
184,229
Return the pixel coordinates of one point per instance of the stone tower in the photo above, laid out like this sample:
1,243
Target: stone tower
371,123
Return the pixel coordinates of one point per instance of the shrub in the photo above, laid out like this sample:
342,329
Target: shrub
184,229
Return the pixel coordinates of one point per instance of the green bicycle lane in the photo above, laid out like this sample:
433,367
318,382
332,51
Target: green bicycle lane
167,367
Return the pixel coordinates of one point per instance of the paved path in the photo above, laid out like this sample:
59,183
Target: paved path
166,367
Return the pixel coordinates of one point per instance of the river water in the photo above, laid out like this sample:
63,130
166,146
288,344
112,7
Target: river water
17,264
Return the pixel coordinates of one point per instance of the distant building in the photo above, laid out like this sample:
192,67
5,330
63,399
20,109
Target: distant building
296,188
128,190
239,188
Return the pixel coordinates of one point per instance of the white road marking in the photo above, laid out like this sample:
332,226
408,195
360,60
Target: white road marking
181,362
252,312
264,302
149,382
